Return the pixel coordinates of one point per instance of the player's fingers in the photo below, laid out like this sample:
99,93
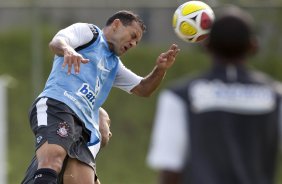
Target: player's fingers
162,59
173,53
65,62
173,47
69,67
76,65
78,68
163,55
169,53
84,61
176,52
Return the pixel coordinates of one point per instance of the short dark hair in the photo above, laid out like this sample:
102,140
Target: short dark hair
126,17
231,33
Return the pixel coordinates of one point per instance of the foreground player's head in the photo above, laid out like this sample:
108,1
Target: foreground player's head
104,127
232,35
123,31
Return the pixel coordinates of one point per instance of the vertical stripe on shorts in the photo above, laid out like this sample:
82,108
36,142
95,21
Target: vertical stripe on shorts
41,108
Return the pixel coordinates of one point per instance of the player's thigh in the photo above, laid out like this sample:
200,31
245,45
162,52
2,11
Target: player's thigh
57,128
51,156
77,172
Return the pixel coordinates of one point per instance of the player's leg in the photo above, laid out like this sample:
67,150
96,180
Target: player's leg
50,150
77,172
51,156
50,161
29,175
53,124
79,166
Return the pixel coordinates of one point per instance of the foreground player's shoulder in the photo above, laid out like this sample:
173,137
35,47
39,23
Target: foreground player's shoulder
278,87
267,80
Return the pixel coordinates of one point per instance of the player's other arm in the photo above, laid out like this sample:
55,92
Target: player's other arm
66,40
151,82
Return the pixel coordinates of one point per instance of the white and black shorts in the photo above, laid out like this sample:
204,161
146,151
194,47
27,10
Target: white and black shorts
55,122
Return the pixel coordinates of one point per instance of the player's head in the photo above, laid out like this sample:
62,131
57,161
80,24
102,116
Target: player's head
231,35
123,31
104,127
126,17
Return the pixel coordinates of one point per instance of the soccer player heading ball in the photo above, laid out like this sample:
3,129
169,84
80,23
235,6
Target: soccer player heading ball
64,117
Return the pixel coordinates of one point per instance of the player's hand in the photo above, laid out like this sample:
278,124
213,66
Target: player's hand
166,59
72,58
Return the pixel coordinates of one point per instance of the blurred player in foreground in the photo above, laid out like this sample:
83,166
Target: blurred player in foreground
221,127
72,170
64,118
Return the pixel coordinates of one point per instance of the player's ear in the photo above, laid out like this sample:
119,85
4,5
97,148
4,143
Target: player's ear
115,24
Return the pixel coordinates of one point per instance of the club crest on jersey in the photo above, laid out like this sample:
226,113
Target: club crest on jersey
63,129
89,95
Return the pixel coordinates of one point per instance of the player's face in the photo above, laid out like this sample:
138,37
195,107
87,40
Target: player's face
126,37
104,128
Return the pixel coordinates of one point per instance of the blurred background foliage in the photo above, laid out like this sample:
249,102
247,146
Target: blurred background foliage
24,36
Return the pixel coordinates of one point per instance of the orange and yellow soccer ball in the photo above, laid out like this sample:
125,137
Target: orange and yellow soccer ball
192,21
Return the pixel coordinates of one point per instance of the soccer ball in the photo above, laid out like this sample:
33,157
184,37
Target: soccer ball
192,21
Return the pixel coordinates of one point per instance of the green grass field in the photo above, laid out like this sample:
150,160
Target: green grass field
124,160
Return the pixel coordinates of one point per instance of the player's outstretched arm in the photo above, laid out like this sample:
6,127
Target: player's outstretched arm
60,47
151,82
